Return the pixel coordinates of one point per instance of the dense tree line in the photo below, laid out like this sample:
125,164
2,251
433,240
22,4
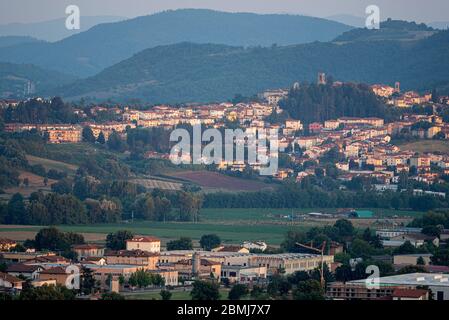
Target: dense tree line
182,243
439,218
317,103
54,111
41,111
12,158
305,195
139,140
119,200
53,209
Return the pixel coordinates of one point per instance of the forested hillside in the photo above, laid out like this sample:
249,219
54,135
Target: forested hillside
312,103
189,72
89,52
21,80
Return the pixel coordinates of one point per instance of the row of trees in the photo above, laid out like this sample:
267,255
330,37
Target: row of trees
54,208
143,279
307,195
317,103
300,286
138,140
63,207
38,112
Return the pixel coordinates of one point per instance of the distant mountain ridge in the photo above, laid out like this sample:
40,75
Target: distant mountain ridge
389,30
53,30
9,41
89,52
189,72
442,25
350,20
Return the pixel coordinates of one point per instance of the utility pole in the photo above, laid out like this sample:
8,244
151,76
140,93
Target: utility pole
321,251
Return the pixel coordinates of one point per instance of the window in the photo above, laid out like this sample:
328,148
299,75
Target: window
440,295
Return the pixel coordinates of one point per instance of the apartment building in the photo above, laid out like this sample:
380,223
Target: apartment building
63,133
290,262
88,250
144,243
132,257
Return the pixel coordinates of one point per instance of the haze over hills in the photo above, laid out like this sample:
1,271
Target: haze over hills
359,22
189,72
389,30
442,25
350,20
9,41
18,80
90,52
53,30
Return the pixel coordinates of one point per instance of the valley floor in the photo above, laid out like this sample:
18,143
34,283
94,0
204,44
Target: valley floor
232,225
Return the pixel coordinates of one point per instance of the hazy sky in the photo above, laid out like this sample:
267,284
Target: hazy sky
40,10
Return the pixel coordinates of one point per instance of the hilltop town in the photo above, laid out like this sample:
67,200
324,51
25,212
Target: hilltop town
365,146
336,166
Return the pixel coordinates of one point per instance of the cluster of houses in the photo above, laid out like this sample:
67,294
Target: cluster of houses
429,283
112,269
368,151
410,286
394,97
365,142
398,236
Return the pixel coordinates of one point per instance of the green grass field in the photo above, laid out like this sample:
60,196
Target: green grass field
73,153
52,164
231,233
176,295
232,225
211,214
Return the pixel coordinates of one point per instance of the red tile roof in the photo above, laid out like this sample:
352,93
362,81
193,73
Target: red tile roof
10,278
22,268
144,239
55,270
48,259
437,269
409,293
230,249
130,253
87,246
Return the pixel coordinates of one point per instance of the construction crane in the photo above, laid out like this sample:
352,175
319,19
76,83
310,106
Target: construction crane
320,251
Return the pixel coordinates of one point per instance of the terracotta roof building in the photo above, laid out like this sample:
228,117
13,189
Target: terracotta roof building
60,274
88,250
9,282
132,257
410,294
144,243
